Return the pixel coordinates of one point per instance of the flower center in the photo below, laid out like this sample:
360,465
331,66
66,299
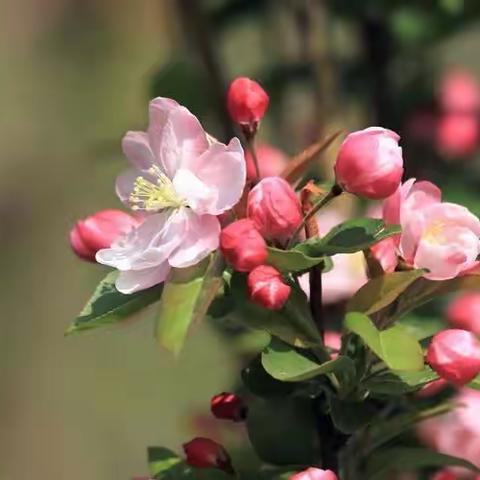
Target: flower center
156,195
434,232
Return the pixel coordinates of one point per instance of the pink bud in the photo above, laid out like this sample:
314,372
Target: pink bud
370,163
464,312
99,231
314,474
271,162
267,288
247,101
459,92
274,208
242,246
455,355
385,253
228,406
445,475
205,453
333,340
458,134
432,388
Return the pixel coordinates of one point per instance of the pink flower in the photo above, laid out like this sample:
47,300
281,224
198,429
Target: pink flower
247,101
464,312
314,474
445,475
205,453
333,340
181,180
242,246
274,208
455,355
432,388
99,231
458,134
267,288
228,406
370,163
385,253
271,162
441,238
459,92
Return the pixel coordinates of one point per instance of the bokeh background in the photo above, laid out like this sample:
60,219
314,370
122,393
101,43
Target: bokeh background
75,75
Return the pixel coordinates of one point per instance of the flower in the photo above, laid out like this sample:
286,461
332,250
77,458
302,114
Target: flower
370,163
228,406
459,92
99,231
181,180
385,253
205,453
314,474
243,246
247,101
455,355
267,288
464,312
333,341
445,475
274,208
271,162
458,134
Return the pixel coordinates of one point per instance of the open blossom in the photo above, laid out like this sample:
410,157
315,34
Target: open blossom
370,163
180,180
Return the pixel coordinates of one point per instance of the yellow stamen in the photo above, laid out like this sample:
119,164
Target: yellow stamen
434,232
153,197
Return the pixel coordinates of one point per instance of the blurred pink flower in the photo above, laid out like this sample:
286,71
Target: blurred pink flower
181,179
271,162
333,340
459,92
458,134
464,312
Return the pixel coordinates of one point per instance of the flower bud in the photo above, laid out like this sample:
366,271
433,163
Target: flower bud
271,162
267,288
314,474
458,134
445,475
274,208
99,231
243,246
432,388
370,163
464,312
228,406
247,101
455,355
205,453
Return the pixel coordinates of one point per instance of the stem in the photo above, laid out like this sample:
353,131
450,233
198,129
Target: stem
335,191
250,138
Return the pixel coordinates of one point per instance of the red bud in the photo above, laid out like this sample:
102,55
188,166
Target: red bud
267,288
314,474
458,134
205,453
242,246
247,101
445,475
228,406
455,355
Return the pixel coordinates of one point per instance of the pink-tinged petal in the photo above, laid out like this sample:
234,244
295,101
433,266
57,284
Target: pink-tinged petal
137,149
124,184
200,239
199,196
222,169
451,213
148,245
420,196
412,230
391,205
136,280
385,253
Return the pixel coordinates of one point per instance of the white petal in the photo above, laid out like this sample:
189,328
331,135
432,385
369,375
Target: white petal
135,280
136,147
199,196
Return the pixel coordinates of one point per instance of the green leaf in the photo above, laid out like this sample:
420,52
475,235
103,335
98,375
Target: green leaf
349,237
475,383
399,383
284,363
108,306
181,294
282,431
350,416
422,327
382,291
406,458
293,323
295,261
395,346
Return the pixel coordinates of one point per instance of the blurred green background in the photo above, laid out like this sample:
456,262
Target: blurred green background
75,75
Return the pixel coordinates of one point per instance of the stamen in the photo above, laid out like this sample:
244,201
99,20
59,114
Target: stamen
156,196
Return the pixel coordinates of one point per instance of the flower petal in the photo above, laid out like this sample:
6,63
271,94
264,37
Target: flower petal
135,280
136,147
222,169
199,196
201,238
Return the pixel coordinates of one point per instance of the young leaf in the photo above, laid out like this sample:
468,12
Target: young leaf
361,325
108,306
294,260
399,383
284,363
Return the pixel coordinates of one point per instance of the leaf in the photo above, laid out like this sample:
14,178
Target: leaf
395,346
284,363
290,261
422,327
399,383
349,237
406,458
350,416
293,323
177,309
382,291
108,306
282,430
